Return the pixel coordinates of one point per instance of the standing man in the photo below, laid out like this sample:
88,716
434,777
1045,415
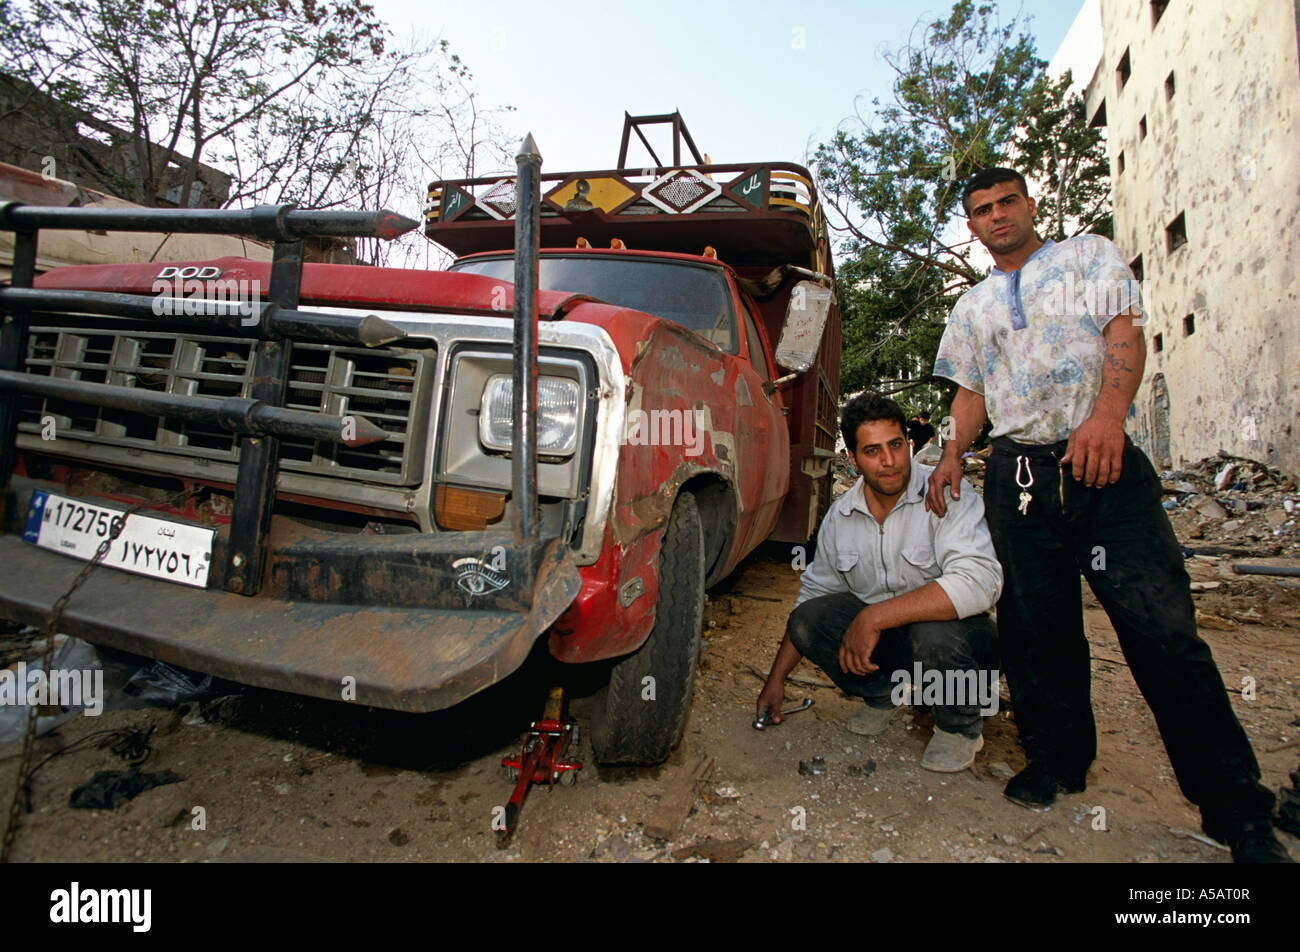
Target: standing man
920,432
893,587
1050,346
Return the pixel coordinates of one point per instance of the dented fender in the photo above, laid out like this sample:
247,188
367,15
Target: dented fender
598,624
691,411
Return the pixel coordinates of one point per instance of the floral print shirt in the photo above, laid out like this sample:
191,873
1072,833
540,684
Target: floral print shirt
1031,340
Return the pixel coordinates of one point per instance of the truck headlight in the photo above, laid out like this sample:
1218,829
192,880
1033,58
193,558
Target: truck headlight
558,400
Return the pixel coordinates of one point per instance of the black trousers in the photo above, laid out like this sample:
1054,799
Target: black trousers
1120,539
817,629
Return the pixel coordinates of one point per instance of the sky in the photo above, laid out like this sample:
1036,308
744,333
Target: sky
761,80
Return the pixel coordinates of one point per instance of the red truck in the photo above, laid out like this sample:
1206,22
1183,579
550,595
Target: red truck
384,486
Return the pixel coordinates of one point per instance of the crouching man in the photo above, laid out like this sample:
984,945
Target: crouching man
895,593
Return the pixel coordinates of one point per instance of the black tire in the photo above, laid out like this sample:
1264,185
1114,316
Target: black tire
626,727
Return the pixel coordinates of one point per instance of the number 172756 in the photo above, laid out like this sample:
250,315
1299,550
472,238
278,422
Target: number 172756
160,548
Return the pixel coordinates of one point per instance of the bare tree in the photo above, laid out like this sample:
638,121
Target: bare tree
372,138
302,101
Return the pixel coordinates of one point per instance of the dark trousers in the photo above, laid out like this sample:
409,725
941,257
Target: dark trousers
1120,539
968,644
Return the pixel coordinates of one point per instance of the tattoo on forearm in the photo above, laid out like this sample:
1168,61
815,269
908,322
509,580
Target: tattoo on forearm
1117,363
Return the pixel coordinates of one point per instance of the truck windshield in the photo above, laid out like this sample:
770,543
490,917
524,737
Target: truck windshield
694,296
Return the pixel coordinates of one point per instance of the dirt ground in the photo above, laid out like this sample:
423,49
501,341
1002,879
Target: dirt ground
282,778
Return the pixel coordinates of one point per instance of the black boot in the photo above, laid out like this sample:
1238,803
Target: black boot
1251,838
1037,786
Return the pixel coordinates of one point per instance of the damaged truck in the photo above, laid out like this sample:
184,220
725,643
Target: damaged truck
384,486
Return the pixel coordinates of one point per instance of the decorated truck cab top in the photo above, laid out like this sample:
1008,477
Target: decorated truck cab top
385,486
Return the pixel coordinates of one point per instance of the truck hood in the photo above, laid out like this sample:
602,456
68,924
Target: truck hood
322,284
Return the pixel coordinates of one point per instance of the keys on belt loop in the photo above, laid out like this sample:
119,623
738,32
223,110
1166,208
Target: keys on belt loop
1025,498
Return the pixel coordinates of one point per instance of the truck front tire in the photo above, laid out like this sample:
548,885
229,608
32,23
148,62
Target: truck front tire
640,721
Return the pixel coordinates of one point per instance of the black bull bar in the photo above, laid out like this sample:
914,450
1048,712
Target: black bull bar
408,622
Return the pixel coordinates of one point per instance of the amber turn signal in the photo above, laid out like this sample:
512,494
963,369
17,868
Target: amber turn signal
467,509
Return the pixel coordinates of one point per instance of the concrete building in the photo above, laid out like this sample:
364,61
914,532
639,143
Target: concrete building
1081,48
1201,104
54,154
44,135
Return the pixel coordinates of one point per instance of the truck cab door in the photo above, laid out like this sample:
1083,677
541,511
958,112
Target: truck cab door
761,433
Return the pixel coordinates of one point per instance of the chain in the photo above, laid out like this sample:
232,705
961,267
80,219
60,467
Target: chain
24,778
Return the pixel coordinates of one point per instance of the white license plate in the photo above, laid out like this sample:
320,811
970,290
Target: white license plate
147,546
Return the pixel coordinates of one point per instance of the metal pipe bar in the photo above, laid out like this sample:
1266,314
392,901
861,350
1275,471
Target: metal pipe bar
1250,568
13,348
686,134
270,222
524,425
648,147
259,457
241,415
245,318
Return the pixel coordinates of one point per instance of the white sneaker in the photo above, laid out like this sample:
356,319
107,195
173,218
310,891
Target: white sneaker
870,721
950,753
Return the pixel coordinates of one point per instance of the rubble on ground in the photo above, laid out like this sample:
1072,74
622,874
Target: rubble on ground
973,464
1234,503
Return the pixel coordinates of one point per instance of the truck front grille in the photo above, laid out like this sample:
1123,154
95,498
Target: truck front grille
387,387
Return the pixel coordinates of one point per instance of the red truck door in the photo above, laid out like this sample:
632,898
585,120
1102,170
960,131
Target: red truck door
761,435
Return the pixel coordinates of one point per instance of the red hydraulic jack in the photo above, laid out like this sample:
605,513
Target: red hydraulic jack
541,761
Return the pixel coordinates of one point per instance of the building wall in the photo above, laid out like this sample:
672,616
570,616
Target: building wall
1223,152
44,135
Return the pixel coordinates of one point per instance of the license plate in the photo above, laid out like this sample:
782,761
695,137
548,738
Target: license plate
147,546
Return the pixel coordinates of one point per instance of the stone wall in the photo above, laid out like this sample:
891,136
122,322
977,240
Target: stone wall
44,135
1220,149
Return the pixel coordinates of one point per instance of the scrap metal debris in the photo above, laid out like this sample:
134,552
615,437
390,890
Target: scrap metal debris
813,768
108,788
1237,503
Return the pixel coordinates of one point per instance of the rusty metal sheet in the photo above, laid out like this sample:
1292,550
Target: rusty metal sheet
676,372
411,659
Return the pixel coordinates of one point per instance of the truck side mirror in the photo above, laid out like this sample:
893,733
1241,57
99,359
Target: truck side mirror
805,320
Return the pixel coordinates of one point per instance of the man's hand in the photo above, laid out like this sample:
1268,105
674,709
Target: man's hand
959,431
1096,450
859,642
772,697
773,693
946,475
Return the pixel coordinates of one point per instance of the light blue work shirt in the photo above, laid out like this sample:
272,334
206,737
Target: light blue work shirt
910,548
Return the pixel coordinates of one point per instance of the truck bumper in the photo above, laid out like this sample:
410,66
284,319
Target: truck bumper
404,657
